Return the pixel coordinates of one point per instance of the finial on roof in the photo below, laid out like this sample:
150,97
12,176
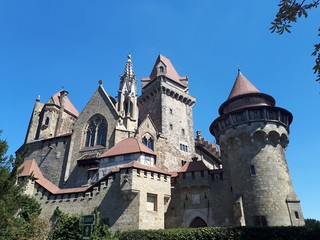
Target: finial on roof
100,82
239,70
128,72
38,98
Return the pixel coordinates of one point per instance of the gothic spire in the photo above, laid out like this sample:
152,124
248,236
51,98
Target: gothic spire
128,71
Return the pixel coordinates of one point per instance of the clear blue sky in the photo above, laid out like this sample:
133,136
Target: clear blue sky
47,44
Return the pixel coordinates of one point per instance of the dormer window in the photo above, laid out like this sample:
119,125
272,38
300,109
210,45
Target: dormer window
161,69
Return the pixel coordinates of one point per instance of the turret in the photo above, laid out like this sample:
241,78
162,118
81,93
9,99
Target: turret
127,99
253,135
34,121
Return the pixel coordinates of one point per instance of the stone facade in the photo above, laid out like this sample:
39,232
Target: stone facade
137,161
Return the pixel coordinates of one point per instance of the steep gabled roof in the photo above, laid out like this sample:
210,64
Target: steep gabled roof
68,106
30,167
127,146
242,86
170,73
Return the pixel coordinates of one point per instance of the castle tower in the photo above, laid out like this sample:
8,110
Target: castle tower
34,121
127,99
165,98
253,135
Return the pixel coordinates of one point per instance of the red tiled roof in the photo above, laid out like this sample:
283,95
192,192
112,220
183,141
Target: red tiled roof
67,104
30,167
138,165
242,86
193,167
171,72
127,146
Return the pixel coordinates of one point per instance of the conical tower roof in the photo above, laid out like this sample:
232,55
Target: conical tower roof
242,86
244,94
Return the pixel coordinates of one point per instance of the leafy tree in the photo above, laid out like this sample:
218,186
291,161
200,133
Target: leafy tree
312,223
67,227
289,12
18,212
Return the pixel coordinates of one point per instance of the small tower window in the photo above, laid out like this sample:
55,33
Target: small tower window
161,69
296,214
46,123
171,126
252,170
182,131
171,111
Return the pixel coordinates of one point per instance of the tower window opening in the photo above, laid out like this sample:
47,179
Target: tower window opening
46,123
183,131
296,214
252,170
170,126
161,69
171,111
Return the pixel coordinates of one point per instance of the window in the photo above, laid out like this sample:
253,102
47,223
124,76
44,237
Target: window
183,147
182,131
96,132
183,162
161,69
296,214
252,170
171,111
151,202
148,142
170,126
46,123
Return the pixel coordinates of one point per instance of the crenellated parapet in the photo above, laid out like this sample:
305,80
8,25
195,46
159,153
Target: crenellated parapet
169,91
248,116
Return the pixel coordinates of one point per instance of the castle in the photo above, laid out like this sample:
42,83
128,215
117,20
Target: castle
136,159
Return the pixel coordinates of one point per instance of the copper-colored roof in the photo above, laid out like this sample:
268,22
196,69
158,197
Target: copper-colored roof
68,106
171,72
193,167
242,86
127,146
30,167
138,165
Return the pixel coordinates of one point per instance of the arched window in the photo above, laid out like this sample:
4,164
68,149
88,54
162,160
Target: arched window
198,222
47,121
96,132
148,142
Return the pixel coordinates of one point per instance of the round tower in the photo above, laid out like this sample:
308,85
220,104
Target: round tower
253,134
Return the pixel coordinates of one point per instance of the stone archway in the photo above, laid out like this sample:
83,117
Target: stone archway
198,222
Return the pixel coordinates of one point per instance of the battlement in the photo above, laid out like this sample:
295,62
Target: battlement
264,114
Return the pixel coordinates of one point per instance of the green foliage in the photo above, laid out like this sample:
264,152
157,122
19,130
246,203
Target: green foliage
68,227
312,223
240,233
289,12
18,212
